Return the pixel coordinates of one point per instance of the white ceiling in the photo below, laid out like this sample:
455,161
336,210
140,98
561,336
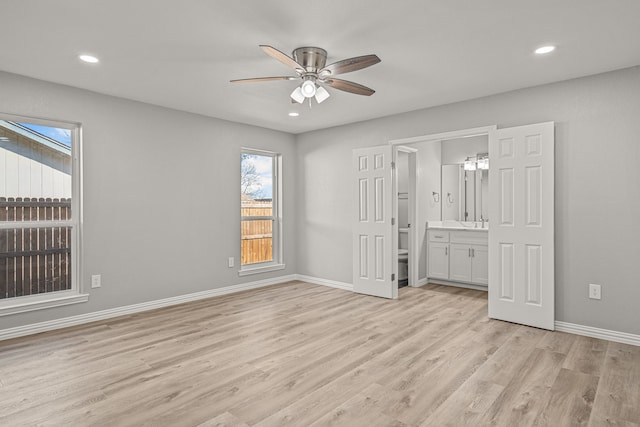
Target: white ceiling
182,54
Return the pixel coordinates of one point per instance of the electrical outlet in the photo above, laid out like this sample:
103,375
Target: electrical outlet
231,261
595,291
96,281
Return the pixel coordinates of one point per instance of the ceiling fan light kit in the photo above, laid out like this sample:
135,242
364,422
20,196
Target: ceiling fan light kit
309,63
297,95
308,88
321,94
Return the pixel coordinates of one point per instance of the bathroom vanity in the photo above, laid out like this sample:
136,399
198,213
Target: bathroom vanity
457,253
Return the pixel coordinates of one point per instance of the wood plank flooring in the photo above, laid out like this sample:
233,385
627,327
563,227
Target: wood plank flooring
298,354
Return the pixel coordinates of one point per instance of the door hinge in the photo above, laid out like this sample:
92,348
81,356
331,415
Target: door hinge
393,221
393,277
393,165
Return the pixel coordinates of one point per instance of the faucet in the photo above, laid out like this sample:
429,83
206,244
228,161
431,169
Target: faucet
483,221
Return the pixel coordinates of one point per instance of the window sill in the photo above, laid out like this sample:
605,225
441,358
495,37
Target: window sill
246,271
40,302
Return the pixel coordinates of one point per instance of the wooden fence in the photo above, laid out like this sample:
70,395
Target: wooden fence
34,260
257,235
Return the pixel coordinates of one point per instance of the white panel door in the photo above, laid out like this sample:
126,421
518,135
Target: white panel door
521,231
373,243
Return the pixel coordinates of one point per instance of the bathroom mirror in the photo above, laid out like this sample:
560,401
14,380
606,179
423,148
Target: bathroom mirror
464,193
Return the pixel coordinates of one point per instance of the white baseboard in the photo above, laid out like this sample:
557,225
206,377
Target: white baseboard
589,331
604,334
136,308
421,282
325,282
459,285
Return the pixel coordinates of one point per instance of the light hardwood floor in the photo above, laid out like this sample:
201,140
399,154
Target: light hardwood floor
298,354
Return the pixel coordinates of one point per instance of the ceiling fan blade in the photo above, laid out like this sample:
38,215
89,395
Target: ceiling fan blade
349,65
263,79
282,57
347,86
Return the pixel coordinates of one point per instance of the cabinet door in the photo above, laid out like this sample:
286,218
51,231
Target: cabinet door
480,264
438,260
460,263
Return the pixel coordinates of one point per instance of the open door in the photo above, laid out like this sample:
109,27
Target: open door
521,232
375,251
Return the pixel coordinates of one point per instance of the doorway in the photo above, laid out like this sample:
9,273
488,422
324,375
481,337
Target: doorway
520,248
519,196
405,212
430,197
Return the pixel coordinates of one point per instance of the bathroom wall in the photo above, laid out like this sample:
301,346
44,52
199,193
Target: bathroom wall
451,194
455,151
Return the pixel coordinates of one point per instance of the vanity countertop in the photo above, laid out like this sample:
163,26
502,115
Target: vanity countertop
458,225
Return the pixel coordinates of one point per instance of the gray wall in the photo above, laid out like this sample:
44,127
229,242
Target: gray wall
136,155
161,195
597,196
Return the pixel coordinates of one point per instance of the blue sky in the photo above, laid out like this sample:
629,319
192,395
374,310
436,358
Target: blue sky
264,166
63,136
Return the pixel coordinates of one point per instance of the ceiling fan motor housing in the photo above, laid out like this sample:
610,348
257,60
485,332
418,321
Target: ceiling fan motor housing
313,59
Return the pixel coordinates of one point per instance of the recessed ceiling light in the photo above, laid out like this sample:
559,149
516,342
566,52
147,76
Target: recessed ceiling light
88,58
294,114
545,49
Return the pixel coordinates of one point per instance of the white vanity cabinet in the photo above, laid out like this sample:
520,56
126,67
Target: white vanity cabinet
438,254
458,256
439,260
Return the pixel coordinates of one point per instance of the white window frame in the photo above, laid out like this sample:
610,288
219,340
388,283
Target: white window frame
276,217
75,294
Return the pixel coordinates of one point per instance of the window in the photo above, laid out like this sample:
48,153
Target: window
39,214
260,236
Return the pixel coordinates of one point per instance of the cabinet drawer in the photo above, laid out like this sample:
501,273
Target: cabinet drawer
470,237
438,235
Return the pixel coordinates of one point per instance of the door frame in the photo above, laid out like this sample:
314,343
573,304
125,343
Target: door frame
414,236
412,211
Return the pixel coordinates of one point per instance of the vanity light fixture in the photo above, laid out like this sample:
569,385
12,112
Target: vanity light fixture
483,161
293,114
470,164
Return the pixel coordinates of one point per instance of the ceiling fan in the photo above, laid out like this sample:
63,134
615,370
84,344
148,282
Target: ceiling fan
309,63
